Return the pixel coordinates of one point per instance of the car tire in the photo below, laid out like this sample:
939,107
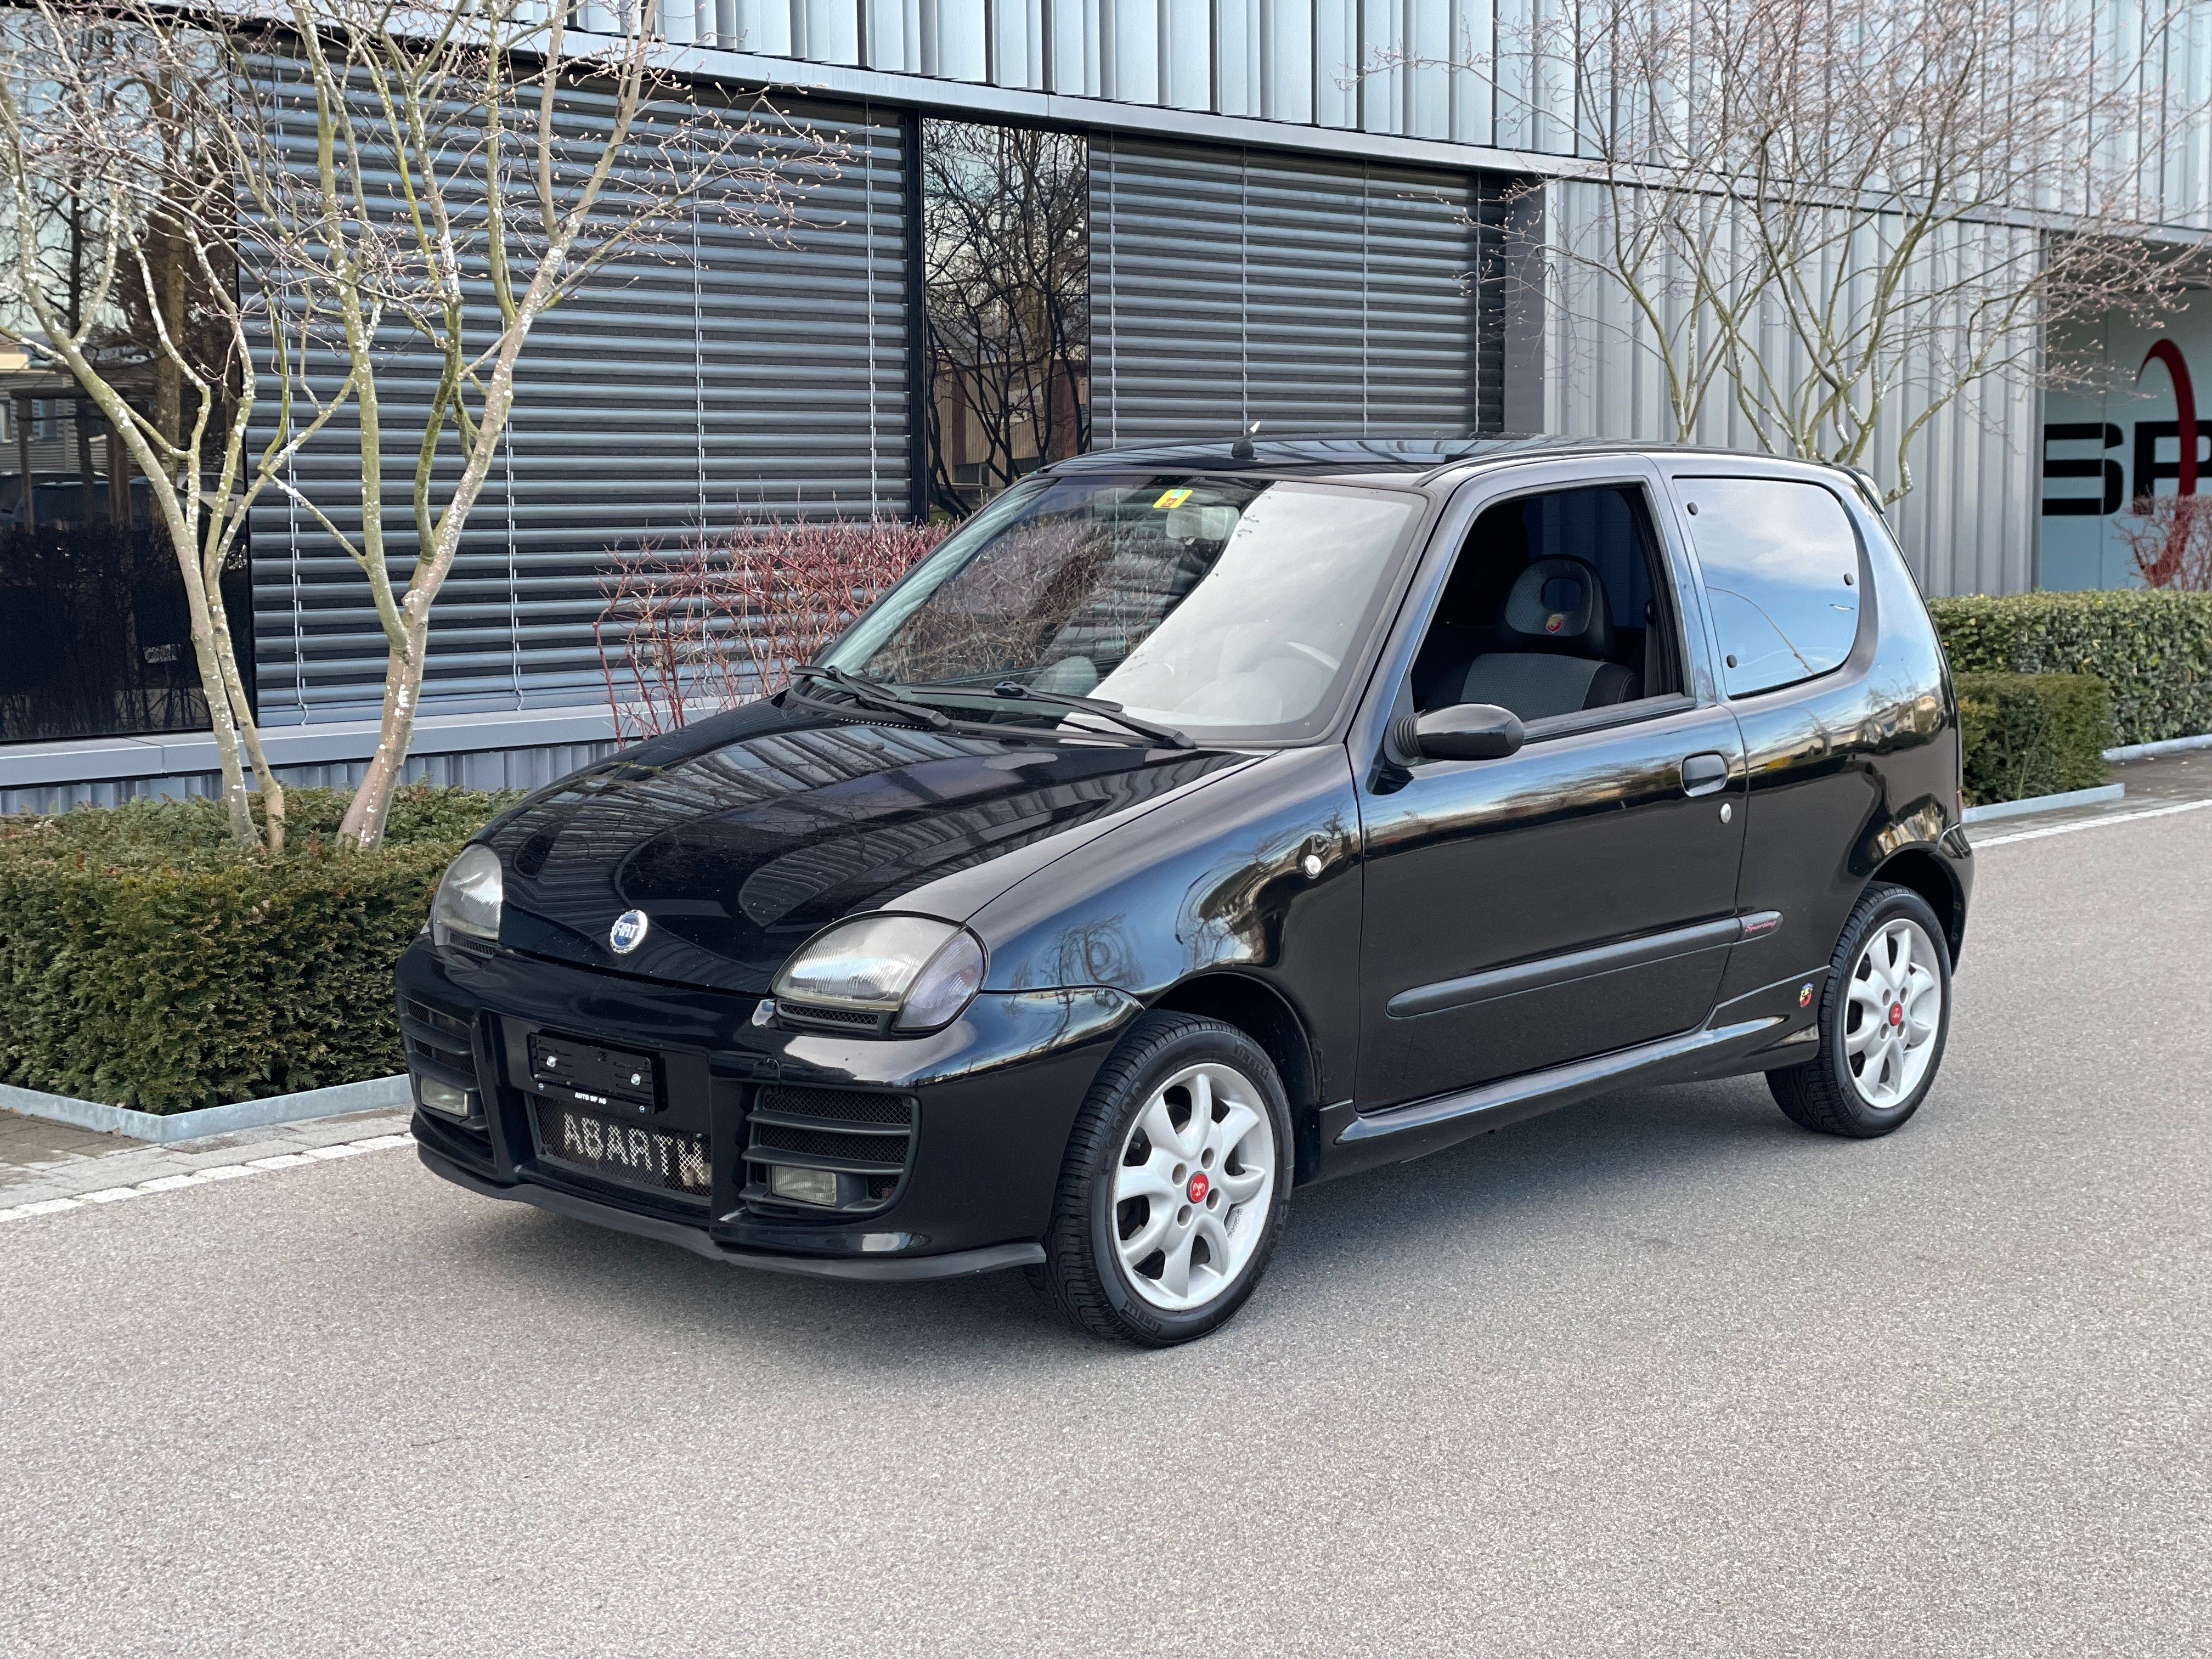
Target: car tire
1885,1015
1172,1193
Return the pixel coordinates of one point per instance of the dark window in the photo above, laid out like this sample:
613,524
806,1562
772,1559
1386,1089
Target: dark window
1557,606
95,629
1782,563
1005,252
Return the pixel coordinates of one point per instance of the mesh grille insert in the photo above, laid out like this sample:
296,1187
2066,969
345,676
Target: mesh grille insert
845,1104
816,1016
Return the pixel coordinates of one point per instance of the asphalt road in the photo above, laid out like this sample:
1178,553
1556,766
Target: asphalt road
1658,1375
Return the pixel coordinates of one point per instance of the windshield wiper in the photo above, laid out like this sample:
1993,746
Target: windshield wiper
872,694
1014,691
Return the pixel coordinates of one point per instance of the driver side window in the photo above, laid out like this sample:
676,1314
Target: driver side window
1557,606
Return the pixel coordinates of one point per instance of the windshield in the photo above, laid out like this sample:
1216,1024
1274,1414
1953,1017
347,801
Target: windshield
1229,608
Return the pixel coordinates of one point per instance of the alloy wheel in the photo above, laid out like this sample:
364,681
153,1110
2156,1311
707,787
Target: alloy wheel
1892,1011
1193,1186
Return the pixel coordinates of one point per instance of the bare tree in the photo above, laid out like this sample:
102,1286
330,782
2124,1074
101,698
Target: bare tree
476,162
373,184
1006,286
119,269
1837,218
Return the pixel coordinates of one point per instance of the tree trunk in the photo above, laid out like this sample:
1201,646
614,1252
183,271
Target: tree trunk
363,825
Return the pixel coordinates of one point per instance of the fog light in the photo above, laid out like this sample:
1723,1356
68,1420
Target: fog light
805,1186
442,1096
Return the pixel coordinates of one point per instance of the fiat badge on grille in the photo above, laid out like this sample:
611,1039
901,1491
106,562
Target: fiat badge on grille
628,931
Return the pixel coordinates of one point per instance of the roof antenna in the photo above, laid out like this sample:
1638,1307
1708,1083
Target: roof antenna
1242,449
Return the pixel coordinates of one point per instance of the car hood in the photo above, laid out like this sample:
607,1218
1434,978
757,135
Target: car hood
740,837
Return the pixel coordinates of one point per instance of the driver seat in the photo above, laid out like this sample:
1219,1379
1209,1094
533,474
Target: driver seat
1557,636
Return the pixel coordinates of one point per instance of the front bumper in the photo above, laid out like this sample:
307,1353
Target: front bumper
982,1112
951,1264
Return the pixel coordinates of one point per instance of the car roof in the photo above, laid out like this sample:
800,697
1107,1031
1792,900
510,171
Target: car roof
1381,461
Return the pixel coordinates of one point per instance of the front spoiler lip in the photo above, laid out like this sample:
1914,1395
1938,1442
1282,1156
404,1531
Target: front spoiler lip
952,1264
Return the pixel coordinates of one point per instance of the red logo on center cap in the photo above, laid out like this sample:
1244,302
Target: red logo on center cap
1197,1187
1897,1013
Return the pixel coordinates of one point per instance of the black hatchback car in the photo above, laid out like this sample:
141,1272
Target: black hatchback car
1196,824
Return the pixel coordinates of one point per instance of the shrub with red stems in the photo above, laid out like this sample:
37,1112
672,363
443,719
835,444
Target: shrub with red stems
720,620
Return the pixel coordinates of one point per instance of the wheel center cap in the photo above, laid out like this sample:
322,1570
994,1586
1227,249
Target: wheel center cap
1198,1185
1897,1013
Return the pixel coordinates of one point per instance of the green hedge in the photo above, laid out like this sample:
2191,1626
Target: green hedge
146,962
2154,648
2033,734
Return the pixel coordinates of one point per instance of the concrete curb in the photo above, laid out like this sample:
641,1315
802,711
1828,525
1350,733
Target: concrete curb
2013,809
164,1127
2164,746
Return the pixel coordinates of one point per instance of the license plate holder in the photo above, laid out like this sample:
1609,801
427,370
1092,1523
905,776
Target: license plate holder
611,1082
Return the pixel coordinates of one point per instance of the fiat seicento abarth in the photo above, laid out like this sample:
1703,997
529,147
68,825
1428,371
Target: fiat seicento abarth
1198,823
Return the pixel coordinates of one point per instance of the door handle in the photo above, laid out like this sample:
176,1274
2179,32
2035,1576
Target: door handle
1704,774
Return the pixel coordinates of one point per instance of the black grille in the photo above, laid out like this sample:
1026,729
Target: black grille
808,1014
800,1125
437,1019
846,1105
815,1143
445,1057
627,1154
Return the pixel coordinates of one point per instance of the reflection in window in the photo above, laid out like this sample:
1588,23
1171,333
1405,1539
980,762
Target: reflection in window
1781,562
1005,236
1221,606
95,630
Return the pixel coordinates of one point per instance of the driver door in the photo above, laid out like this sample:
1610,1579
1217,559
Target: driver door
1578,896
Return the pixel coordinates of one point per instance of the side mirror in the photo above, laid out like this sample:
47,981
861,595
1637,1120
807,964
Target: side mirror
1466,731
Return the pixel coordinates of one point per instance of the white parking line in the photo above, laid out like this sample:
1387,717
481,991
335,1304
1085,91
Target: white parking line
170,1184
1979,843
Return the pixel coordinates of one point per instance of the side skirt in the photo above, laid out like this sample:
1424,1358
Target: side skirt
1352,1142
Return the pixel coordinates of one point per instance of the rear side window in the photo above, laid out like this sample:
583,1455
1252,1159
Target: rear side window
1782,565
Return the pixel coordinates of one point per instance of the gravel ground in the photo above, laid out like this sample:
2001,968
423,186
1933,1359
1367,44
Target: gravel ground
1658,1373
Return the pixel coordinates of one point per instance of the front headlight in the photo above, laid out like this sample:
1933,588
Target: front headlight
917,971
469,896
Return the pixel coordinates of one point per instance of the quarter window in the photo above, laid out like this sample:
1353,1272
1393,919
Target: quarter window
1781,564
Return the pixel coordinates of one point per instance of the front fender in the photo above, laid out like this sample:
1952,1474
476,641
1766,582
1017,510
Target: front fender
1217,880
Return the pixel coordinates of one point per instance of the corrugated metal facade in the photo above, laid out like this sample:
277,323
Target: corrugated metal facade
1313,296
1299,62
1968,525
750,375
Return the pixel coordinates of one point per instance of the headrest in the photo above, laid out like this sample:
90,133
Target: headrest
1557,605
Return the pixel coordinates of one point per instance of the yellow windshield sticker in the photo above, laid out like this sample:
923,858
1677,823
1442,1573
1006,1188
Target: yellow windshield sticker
1173,498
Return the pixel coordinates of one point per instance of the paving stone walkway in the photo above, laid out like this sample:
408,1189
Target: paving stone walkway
40,1160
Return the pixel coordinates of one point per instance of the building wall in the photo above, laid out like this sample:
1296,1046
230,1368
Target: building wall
1298,64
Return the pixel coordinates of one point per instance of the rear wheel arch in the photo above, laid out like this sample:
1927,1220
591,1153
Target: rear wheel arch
1923,872
1267,1016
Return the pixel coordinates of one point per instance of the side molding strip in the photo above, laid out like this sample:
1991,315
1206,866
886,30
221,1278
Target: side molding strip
1428,1126
1578,965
